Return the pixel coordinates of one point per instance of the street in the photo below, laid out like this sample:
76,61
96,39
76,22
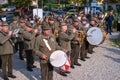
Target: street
104,64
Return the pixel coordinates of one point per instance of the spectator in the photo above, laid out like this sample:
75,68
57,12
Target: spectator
109,21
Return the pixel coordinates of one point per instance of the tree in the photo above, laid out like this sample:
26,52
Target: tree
21,3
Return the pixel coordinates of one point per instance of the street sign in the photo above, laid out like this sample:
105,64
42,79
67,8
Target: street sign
38,12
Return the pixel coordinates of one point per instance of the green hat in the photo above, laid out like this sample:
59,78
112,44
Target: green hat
4,24
22,21
46,27
15,18
76,20
93,19
84,18
63,24
51,18
28,24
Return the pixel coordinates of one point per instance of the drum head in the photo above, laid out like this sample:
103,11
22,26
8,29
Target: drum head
58,58
96,36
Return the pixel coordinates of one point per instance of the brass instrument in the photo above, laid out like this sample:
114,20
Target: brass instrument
55,33
81,35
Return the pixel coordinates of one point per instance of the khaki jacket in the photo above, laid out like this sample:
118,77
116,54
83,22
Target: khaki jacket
65,40
6,44
41,48
29,40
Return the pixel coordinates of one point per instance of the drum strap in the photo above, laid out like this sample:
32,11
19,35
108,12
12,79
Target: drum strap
47,44
87,25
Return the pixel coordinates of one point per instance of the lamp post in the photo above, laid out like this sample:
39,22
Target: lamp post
37,6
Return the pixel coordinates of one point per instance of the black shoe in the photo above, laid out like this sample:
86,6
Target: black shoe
72,66
68,72
78,64
83,59
6,78
63,74
87,57
29,69
33,66
12,76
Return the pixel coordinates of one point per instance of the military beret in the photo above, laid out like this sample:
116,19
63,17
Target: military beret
15,18
63,24
93,19
76,20
46,27
4,24
28,24
51,18
22,21
84,18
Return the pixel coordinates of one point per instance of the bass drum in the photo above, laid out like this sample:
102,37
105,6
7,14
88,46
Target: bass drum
96,36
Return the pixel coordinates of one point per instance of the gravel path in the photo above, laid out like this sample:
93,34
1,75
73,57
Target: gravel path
104,64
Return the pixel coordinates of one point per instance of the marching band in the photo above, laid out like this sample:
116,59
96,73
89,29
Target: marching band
67,33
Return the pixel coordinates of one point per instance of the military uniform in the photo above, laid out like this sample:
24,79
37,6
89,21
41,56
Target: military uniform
54,27
75,46
20,40
40,49
90,49
6,52
29,41
12,27
85,44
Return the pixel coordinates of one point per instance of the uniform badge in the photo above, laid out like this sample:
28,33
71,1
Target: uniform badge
52,39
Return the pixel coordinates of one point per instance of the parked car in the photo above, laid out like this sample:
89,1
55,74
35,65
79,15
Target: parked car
9,17
9,8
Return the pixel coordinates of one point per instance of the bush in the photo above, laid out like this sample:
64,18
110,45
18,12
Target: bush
115,19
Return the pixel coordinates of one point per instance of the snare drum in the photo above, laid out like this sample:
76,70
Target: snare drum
58,58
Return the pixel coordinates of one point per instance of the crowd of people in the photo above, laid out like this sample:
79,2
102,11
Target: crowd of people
67,33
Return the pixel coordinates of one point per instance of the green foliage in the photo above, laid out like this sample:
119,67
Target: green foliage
115,19
21,3
1,6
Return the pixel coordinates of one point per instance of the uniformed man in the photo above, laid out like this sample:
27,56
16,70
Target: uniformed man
13,26
64,40
29,41
44,52
46,20
6,52
92,24
20,39
84,44
54,27
75,45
